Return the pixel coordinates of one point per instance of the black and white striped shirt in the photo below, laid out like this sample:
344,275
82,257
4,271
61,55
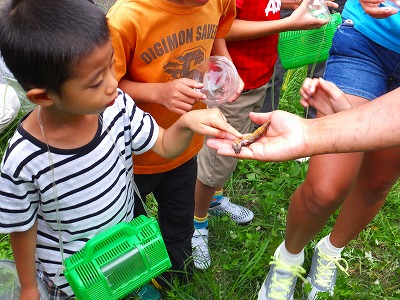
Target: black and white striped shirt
92,186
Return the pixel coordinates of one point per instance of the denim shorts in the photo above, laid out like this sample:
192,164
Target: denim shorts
359,66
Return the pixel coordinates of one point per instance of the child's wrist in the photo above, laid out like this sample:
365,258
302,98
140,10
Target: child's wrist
30,292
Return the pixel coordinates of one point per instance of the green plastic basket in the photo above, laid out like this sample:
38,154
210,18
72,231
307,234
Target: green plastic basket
304,47
118,261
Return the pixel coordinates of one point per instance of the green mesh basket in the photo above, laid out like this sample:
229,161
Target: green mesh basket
304,47
118,261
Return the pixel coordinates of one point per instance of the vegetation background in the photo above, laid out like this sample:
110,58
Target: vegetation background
241,253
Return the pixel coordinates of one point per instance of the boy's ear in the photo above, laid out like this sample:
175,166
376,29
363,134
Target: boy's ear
39,97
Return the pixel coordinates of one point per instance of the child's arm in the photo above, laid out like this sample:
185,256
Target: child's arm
290,4
325,96
174,140
24,248
299,19
178,95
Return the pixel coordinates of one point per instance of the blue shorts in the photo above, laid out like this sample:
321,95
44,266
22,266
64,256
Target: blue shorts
359,66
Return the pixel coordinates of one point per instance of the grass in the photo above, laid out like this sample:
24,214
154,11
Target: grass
241,253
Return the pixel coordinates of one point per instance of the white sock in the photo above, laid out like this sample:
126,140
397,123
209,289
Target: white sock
326,247
290,258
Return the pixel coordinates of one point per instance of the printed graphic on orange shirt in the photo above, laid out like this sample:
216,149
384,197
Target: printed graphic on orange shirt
173,41
184,65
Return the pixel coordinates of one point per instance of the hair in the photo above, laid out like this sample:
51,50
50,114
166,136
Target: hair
42,41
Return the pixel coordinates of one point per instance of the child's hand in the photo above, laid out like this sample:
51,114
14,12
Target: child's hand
373,8
179,95
300,18
238,91
174,140
210,122
325,96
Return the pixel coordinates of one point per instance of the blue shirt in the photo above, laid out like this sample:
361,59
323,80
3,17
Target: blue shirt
385,32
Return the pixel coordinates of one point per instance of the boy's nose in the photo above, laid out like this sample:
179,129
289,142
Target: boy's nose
112,84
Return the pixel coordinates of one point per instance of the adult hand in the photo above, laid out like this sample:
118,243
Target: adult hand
285,139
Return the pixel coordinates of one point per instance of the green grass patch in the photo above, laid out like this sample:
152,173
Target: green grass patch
241,253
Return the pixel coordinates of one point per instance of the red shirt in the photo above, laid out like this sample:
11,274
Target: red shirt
255,59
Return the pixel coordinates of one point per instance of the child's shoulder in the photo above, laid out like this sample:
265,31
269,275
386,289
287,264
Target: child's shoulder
20,142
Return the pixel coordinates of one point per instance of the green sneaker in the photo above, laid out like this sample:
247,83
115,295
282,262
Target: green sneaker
281,280
323,273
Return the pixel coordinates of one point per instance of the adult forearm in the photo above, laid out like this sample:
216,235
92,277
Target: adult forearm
375,125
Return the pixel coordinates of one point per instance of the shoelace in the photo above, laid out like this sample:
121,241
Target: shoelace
326,269
280,286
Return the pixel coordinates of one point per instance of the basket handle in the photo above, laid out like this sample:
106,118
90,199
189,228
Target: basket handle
93,242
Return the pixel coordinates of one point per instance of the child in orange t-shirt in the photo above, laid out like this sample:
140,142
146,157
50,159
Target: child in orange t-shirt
158,45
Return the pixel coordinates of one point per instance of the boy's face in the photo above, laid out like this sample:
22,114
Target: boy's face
93,86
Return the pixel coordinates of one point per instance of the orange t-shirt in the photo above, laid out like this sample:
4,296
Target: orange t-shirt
158,41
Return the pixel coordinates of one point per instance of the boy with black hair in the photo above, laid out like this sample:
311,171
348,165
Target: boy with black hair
66,174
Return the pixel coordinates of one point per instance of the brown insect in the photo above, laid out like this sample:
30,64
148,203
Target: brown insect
249,138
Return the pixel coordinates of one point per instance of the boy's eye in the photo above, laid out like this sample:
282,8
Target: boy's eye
97,84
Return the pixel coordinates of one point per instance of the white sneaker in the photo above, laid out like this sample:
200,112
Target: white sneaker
238,213
281,280
323,273
201,253
9,106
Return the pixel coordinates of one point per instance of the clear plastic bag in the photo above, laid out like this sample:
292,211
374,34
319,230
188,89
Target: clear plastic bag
10,287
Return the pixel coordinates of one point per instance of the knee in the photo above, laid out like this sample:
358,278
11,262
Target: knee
322,199
375,190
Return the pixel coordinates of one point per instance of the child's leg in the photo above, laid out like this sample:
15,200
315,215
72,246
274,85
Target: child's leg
329,180
378,172
175,198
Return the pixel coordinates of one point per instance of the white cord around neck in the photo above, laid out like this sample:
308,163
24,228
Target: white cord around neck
54,186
